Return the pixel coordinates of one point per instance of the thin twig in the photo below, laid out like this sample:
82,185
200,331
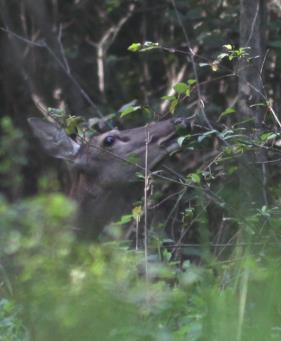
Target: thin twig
263,61
194,67
137,233
43,44
253,23
66,64
166,199
146,184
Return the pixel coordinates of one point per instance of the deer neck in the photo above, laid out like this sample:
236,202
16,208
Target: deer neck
98,206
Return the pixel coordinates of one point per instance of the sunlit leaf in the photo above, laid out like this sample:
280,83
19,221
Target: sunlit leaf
168,98
129,110
72,123
204,64
137,212
215,67
149,45
182,139
146,46
135,47
228,46
195,178
268,136
181,87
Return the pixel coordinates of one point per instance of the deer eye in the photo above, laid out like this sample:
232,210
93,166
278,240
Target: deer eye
109,140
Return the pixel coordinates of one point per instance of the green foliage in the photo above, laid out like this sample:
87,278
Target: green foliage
232,53
127,110
146,46
11,327
185,88
181,88
13,147
135,47
183,91
195,178
71,123
61,289
68,290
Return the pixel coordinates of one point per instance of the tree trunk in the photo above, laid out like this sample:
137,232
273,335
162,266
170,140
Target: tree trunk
253,175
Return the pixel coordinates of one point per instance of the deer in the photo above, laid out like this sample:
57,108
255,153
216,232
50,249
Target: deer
103,176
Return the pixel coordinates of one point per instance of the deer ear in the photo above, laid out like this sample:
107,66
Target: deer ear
54,139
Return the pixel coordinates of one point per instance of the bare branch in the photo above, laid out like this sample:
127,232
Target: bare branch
253,24
66,64
104,44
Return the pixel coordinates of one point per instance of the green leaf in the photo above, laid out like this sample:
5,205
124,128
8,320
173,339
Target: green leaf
149,45
56,113
192,82
128,110
208,133
72,123
226,112
228,46
195,178
137,212
182,139
135,47
173,106
146,46
215,66
125,219
187,93
222,55
181,88
203,64
168,98
268,136
140,175
188,212
261,104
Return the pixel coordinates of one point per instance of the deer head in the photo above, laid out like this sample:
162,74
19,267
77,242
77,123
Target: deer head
104,168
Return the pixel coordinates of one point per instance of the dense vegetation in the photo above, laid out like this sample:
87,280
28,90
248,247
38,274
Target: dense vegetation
210,269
